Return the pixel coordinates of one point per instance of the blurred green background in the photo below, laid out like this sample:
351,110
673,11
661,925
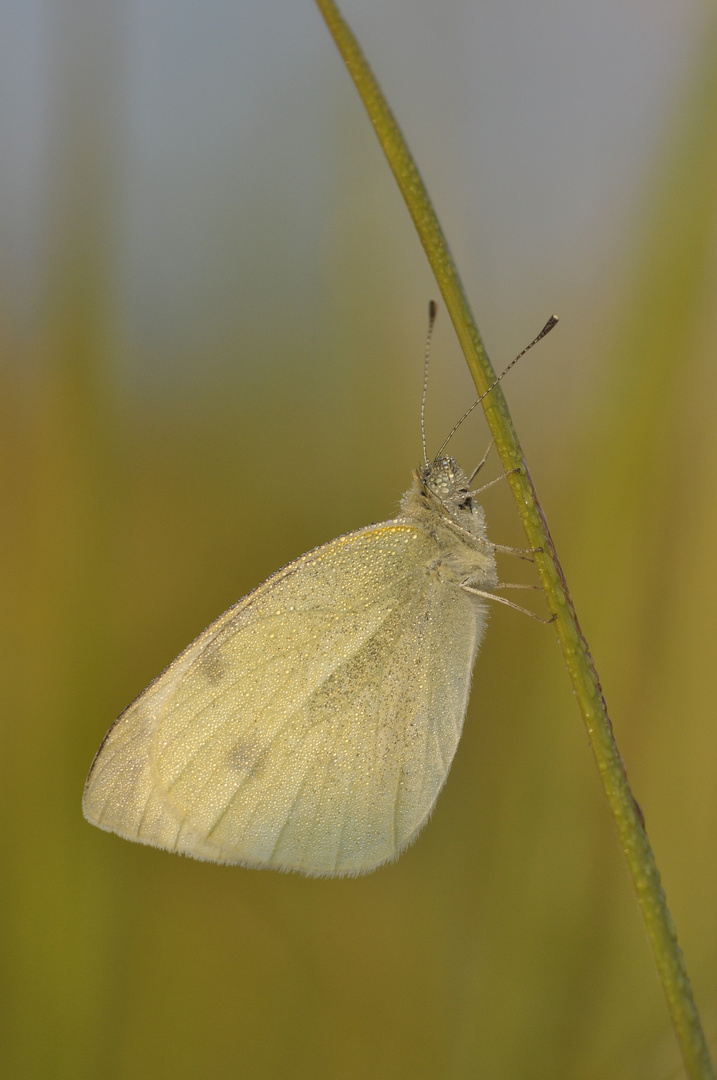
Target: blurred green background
212,314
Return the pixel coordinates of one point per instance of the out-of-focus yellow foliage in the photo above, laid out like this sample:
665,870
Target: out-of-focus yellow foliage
506,942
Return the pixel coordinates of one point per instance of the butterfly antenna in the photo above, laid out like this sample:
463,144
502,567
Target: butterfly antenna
432,312
552,321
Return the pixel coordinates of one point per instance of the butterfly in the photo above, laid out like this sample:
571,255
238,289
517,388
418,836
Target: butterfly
313,725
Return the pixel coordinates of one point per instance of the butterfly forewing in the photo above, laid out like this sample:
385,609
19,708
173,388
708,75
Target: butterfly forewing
312,726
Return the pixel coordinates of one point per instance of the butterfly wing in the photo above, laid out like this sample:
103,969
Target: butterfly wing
312,726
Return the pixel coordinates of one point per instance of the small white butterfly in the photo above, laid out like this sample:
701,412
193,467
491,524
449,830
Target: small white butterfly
312,726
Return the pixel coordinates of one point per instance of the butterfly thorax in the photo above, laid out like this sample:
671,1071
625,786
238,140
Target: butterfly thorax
440,502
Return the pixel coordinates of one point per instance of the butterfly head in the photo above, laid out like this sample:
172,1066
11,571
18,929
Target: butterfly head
441,499
445,479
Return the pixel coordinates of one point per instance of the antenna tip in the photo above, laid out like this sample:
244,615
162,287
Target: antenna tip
432,311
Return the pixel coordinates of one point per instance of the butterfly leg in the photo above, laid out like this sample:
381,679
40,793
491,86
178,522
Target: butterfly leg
497,480
508,603
481,463
520,553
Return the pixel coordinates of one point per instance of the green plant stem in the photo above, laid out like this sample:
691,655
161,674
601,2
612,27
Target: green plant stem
635,844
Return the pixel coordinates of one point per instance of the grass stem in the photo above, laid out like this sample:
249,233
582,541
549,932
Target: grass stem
586,685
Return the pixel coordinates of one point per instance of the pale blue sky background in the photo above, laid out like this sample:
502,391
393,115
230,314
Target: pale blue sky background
231,128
